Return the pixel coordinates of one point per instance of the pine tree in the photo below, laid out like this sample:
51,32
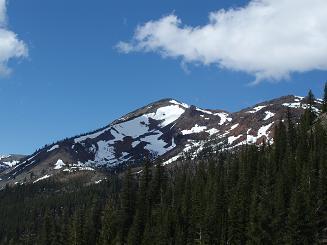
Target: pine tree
309,114
72,231
63,236
142,207
324,105
158,184
301,223
279,210
236,218
291,132
280,144
109,225
254,229
127,206
47,235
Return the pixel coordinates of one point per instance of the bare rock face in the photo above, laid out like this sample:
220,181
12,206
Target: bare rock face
163,131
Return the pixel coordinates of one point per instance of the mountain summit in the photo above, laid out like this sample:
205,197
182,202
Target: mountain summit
164,131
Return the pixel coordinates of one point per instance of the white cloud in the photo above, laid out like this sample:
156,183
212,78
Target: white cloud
10,46
267,38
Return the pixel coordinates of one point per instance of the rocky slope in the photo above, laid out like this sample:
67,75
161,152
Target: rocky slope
9,161
164,130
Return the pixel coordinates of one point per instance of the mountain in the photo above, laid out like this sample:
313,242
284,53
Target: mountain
8,161
164,131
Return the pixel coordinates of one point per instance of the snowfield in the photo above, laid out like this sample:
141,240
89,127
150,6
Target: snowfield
4,156
59,164
194,130
139,130
268,115
53,148
256,109
223,117
42,178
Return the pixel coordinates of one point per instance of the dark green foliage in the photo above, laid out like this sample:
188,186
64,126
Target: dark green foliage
324,105
272,194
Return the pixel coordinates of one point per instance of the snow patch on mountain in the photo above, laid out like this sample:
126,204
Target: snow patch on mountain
59,164
156,145
138,128
231,139
204,111
224,117
298,98
11,163
135,143
90,136
256,109
234,126
167,114
212,131
42,178
4,156
300,105
53,148
269,115
133,128
105,153
263,131
139,125
294,105
194,130
173,159
179,103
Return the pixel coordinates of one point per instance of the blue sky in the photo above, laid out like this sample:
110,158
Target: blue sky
75,79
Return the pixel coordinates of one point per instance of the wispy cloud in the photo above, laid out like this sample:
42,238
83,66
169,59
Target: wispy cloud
10,46
270,39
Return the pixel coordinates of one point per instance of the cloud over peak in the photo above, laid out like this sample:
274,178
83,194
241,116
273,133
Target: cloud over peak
10,46
269,39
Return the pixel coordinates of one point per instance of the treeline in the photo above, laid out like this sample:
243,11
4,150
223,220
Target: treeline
272,194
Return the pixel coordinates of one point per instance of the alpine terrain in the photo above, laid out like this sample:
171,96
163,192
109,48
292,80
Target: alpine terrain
164,131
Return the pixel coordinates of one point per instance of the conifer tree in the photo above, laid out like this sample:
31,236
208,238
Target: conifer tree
291,131
324,105
279,210
254,229
157,186
236,219
309,112
127,206
109,225
63,236
280,145
142,207
47,235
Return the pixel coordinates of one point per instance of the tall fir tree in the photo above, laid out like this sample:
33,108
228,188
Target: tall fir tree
108,233
142,207
324,105
127,206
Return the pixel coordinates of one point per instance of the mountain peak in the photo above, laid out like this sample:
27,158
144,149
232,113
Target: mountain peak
163,130
153,107
169,101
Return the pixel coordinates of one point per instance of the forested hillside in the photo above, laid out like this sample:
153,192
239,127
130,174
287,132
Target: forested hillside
272,194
